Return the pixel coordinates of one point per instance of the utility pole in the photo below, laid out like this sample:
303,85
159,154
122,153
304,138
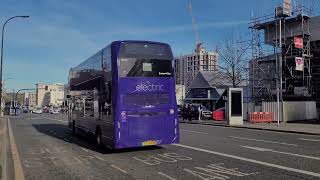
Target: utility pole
280,73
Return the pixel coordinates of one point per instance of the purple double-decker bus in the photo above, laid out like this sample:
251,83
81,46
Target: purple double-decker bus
125,95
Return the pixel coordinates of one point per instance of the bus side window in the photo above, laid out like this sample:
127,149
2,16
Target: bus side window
105,101
108,89
89,111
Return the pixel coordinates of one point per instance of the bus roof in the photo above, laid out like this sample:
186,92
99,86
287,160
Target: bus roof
139,41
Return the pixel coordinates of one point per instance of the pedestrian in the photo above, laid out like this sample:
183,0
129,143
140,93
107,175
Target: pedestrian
183,112
189,112
200,112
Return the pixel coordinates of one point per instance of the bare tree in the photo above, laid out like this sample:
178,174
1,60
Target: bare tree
233,60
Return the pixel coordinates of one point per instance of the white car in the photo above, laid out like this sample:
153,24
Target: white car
54,111
38,111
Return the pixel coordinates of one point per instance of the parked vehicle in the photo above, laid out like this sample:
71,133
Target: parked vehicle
218,115
206,113
45,110
12,108
54,111
25,109
194,112
38,111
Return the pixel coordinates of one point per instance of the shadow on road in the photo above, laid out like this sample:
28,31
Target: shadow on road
85,140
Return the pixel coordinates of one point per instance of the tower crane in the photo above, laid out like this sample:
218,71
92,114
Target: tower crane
194,26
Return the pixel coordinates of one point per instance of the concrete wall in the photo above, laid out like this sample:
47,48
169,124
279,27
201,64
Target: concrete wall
293,110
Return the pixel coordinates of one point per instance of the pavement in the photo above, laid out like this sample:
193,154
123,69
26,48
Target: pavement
3,148
299,127
45,149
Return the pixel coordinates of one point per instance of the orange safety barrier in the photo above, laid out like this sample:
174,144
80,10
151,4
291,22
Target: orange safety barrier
258,117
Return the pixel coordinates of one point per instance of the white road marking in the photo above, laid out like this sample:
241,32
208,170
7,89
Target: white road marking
100,158
64,121
259,140
271,150
18,170
251,160
194,131
314,140
167,176
84,149
116,167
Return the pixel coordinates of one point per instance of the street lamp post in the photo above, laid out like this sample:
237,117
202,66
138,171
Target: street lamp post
2,54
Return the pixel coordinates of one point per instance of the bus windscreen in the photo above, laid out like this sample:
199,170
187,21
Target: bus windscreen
145,50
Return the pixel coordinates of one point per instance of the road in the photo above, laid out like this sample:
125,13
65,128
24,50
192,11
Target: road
45,149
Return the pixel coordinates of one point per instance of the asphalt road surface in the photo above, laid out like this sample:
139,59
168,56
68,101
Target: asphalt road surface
46,149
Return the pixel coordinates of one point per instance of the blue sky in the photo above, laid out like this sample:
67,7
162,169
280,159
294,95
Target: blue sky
60,34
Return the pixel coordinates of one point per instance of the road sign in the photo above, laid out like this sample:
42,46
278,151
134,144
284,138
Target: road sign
299,63
298,42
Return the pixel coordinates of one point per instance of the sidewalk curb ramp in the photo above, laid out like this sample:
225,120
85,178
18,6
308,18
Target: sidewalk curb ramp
3,148
254,128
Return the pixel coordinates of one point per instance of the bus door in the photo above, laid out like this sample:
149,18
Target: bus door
106,120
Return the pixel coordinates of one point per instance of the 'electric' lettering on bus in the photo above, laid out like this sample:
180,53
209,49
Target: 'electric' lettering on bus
125,95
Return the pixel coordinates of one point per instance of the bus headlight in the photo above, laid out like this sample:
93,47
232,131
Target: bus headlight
171,111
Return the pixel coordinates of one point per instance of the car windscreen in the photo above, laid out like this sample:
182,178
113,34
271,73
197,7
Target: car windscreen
130,67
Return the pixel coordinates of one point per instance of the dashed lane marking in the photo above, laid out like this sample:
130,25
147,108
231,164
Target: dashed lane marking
279,152
100,158
119,169
18,171
194,131
167,176
250,160
64,121
84,149
260,140
314,140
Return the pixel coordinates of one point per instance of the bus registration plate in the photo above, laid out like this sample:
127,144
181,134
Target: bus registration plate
149,143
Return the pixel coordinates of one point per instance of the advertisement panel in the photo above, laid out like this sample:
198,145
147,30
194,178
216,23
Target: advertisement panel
299,63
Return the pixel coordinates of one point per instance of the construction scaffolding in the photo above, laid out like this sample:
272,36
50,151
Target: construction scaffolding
274,62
